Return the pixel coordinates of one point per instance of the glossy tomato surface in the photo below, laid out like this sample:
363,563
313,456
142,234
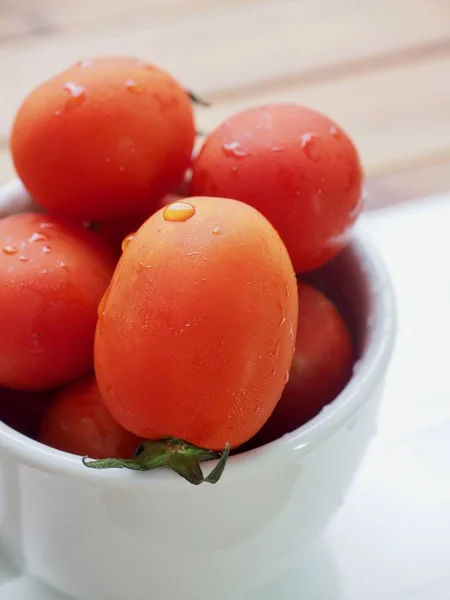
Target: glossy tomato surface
196,333
322,365
78,422
106,138
293,164
52,277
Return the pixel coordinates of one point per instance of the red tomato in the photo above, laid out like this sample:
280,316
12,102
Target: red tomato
23,411
322,365
52,277
196,333
78,422
104,139
296,166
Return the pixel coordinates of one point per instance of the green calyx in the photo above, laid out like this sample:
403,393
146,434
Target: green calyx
180,456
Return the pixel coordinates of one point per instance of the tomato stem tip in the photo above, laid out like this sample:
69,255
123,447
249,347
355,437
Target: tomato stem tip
197,99
178,455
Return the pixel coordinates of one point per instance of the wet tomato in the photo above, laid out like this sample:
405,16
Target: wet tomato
321,368
104,139
78,422
196,333
293,164
52,277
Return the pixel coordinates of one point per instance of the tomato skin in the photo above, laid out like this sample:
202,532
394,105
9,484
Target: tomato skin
52,277
78,422
104,139
321,368
23,411
196,333
293,164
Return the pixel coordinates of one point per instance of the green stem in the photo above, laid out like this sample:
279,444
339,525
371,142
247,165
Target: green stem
180,456
196,99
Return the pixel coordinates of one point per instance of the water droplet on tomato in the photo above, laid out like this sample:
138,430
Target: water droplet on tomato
127,240
77,94
102,303
192,253
234,149
37,237
276,148
9,250
87,62
273,372
216,230
35,345
334,132
46,249
178,211
309,145
133,86
291,331
23,258
46,225
286,377
61,264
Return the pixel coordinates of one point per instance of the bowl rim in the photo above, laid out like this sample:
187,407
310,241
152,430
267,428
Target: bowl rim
371,370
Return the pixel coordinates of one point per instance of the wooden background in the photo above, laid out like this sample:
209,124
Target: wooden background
381,68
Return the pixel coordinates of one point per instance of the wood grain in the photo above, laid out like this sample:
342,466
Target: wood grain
378,67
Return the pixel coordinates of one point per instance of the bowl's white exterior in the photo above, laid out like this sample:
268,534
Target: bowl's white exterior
115,535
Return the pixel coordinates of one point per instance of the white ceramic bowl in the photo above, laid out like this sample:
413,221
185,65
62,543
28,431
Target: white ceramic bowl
111,535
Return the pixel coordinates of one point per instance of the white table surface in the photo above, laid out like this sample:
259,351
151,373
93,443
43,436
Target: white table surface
391,538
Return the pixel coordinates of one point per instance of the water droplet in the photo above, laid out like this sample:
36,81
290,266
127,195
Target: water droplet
234,149
216,230
102,303
276,148
273,372
34,345
9,250
277,349
286,378
178,211
334,132
23,258
127,240
187,324
87,62
46,249
37,237
77,94
133,86
61,264
286,287
291,331
192,253
283,318
309,145
46,225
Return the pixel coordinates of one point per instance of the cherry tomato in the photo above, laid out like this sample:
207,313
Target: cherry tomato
104,139
52,277
322,365
23,411
196,333
296,166
78,422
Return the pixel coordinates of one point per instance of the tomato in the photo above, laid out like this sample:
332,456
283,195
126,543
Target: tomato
293,164
196,333
52,277
23,411
78,422
104,139
114,232
322,365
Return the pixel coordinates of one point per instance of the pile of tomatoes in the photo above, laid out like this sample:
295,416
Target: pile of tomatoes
130,313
